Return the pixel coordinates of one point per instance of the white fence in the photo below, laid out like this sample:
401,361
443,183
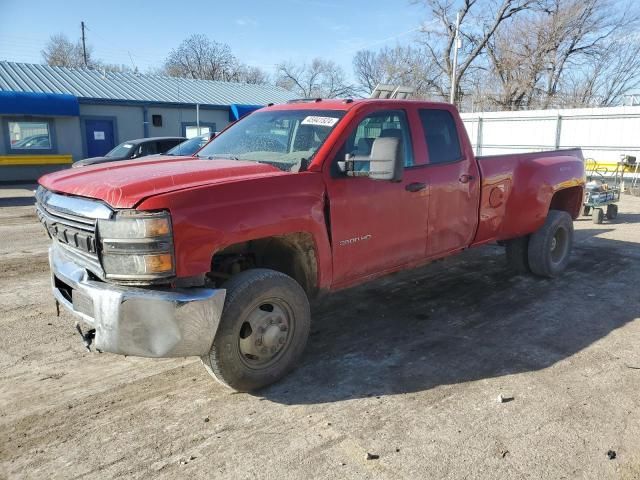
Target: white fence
604,134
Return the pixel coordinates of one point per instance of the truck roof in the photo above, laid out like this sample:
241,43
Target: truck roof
348,104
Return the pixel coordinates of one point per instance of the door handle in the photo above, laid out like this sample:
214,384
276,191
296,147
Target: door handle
415,187
466,178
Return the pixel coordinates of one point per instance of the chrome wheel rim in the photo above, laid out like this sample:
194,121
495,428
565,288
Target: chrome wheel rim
265,334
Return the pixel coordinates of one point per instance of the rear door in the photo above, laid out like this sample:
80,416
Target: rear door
376,225
454,183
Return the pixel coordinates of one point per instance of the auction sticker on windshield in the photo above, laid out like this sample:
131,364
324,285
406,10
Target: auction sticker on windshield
321,121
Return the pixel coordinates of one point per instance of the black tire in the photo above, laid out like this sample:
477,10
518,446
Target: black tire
517,251
586,211
247,293
550,246
612,211
598,216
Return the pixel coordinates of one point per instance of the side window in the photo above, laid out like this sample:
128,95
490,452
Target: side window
441,136
167,145
377,125
150,148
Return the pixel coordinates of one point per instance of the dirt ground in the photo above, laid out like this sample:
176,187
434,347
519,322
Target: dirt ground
408,368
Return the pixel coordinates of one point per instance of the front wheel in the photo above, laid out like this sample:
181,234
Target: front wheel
263,330
550,246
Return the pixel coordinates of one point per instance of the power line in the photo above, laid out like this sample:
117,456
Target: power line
115,54
20,49
384,40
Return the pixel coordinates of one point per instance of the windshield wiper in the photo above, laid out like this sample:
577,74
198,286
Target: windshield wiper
227,156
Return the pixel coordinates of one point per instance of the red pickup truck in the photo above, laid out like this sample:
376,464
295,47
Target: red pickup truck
218,255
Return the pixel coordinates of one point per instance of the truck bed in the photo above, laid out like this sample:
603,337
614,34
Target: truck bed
518,190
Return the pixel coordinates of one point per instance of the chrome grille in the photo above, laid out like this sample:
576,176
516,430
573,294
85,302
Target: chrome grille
71,223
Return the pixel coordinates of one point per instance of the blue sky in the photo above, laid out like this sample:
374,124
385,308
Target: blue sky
260,33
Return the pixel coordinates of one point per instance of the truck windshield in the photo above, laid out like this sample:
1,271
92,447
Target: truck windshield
286,139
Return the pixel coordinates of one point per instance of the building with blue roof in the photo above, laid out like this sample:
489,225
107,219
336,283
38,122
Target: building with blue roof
52,116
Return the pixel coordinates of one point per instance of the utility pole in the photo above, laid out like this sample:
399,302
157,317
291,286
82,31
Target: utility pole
456,46
84,47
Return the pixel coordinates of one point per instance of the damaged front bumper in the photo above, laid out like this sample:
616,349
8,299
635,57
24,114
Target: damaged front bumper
137,321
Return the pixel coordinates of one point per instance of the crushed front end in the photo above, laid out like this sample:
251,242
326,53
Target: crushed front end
114,270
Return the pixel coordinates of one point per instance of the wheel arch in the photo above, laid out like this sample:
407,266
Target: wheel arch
294,254
568,200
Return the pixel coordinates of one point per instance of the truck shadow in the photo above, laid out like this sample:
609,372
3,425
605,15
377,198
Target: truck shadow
622,218
17,201
16,194
462,319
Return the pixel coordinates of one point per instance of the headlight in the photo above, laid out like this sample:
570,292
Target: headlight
137,245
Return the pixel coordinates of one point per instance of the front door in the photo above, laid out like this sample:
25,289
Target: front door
99,136
377,225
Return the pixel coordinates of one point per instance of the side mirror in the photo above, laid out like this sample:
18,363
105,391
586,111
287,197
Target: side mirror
385,161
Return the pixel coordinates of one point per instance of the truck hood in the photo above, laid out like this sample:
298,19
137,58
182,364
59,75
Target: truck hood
93,160
126,183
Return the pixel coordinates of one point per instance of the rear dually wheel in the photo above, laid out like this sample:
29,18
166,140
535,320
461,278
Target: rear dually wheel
550,247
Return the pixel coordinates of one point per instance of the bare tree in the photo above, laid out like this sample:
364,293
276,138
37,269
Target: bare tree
253,75
115,67
609,76
577,32
202,58
401,65
479,21
567,53
62,52
518,55
320,78
369,70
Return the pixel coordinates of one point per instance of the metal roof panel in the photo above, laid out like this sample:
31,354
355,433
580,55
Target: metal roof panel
97,84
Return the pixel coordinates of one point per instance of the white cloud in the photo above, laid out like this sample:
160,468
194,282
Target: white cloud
246,22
